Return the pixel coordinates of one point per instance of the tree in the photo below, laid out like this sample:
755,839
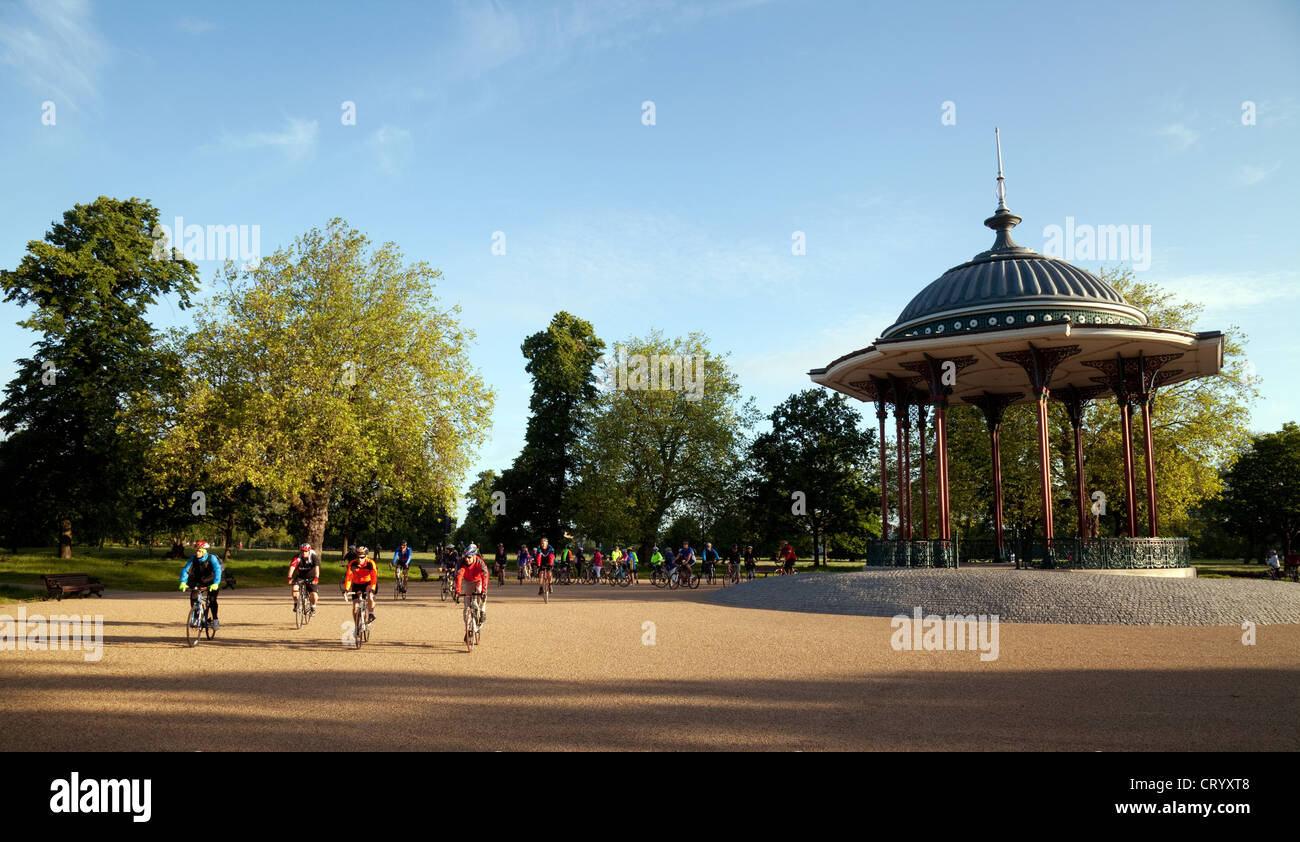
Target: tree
814,470
561,361
1261,498
67,411
658,444
329,374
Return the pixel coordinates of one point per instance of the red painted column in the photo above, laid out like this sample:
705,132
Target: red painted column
1149,446
995,437
1044,462
941,464
902,500
882,414
1079,492
1130,490
907,472
925,502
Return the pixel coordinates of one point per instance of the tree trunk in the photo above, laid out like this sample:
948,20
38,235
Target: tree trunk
228,534
65,539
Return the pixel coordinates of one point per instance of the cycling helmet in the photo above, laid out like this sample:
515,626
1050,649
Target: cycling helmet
471,549
304,548
352,548
200,545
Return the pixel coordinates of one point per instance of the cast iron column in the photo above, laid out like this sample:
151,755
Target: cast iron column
1126,430
994,407
1149,446
900,442
1039,364
925,503
940,376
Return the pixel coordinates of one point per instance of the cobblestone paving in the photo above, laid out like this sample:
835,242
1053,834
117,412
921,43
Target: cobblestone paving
1024,596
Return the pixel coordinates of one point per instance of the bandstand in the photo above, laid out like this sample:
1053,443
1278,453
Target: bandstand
1012,326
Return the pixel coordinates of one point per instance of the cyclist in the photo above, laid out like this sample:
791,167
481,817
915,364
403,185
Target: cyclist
362,578
545,563
566,558
630,556
522,560
788,556
597,564
473,578
733,562
710,561
401,563
751,562
304,574
685,557
656,561
616,559
205,569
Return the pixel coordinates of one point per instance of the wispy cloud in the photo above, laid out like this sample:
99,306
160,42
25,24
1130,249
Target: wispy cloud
1182,135
1254,174
54,47
195,26
296,139
1226,293
392,146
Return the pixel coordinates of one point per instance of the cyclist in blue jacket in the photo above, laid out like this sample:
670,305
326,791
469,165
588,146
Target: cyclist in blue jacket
202,570
710,559
402,564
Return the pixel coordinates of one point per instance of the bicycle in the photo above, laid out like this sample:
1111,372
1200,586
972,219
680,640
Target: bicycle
199,623
658,577
501,573
564,576
544,576
689,579
447,587
400,578
360,619
301,605
473,612
619,577
733,574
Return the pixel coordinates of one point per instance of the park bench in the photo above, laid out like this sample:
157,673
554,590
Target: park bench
58,585
767,569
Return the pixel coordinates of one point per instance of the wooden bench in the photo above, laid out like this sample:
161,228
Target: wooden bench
58,585
768,569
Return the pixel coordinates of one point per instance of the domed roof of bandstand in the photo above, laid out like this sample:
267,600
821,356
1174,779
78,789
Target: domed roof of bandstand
1011,298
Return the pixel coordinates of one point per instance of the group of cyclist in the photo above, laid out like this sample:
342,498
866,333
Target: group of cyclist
361,580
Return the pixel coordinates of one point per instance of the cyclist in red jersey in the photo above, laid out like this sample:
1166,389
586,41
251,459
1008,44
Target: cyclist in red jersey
545,561
472,577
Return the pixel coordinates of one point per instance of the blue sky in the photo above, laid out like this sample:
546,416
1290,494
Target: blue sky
769,118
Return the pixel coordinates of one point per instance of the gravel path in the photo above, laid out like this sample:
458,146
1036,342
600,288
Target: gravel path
578,674
1025,596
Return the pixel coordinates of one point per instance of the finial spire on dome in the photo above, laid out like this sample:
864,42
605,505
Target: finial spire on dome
1002,220
1002,188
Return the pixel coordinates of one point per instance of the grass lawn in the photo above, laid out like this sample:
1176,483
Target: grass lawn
133,569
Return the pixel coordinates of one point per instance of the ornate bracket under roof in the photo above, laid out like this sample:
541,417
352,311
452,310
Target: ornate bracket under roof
994,405
1040,364
1135,379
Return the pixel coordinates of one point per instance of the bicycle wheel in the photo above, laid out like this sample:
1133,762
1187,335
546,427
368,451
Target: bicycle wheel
209,623
443,597
297,613
192,631
694,581
358,624
625,581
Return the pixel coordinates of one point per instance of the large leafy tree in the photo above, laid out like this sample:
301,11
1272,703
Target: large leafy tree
650,454
328,373
68,410
561,361
815,470
1261,498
